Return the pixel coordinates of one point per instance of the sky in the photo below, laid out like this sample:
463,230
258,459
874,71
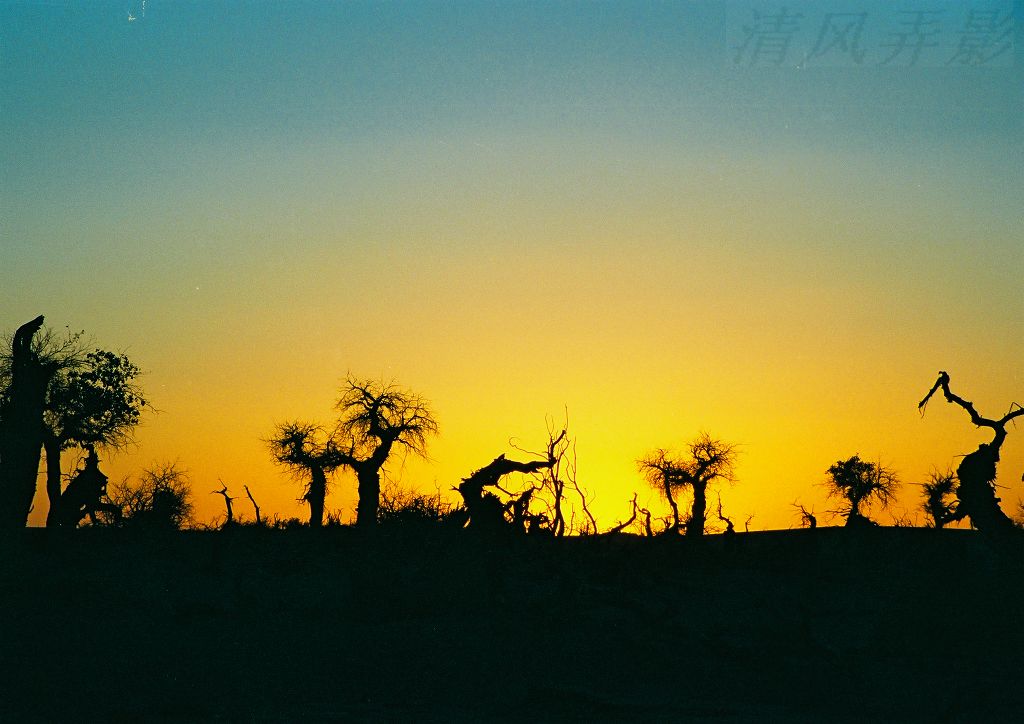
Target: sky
656,218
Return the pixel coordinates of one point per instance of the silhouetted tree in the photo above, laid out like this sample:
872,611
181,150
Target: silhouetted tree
859,483
374,418
730,529
976,493
308,453
807,517
706,460
92,400
23,381
248,493
228,500
161,499
939,499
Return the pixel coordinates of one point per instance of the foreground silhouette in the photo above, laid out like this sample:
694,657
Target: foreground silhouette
431,624
976,493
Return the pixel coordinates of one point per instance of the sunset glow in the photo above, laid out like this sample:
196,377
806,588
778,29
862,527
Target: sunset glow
520,212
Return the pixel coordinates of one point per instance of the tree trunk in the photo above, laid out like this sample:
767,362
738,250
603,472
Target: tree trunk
672,504
699,515
21,429
316,496
52,446
369,497
976,491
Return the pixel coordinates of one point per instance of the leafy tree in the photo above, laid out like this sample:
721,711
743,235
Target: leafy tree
374,418
93,401
307,452
161,499
858,483
939,495
705,461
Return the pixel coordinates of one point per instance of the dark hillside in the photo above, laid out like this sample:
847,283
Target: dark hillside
886,624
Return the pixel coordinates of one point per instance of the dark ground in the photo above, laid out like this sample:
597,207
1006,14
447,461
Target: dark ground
256,625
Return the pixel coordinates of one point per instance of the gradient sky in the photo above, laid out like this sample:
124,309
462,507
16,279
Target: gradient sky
517,209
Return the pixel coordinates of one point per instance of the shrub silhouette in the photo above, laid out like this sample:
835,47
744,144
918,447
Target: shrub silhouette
161,499
859,483
939,499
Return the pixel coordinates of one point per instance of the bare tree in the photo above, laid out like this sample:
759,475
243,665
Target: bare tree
248,493
230,519
706,461
807,517
306,451
374,418
730,529
976,494
857,484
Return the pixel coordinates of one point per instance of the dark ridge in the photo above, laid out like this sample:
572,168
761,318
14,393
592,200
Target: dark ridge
832,624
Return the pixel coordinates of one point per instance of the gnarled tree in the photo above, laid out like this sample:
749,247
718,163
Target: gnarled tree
859,483
976,493
307,452
706,461
375,417
486,510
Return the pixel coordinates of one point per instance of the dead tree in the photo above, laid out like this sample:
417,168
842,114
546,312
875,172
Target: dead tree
807,517
486,510
259,520
21,427
976,492
730,529
628,522
227,504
